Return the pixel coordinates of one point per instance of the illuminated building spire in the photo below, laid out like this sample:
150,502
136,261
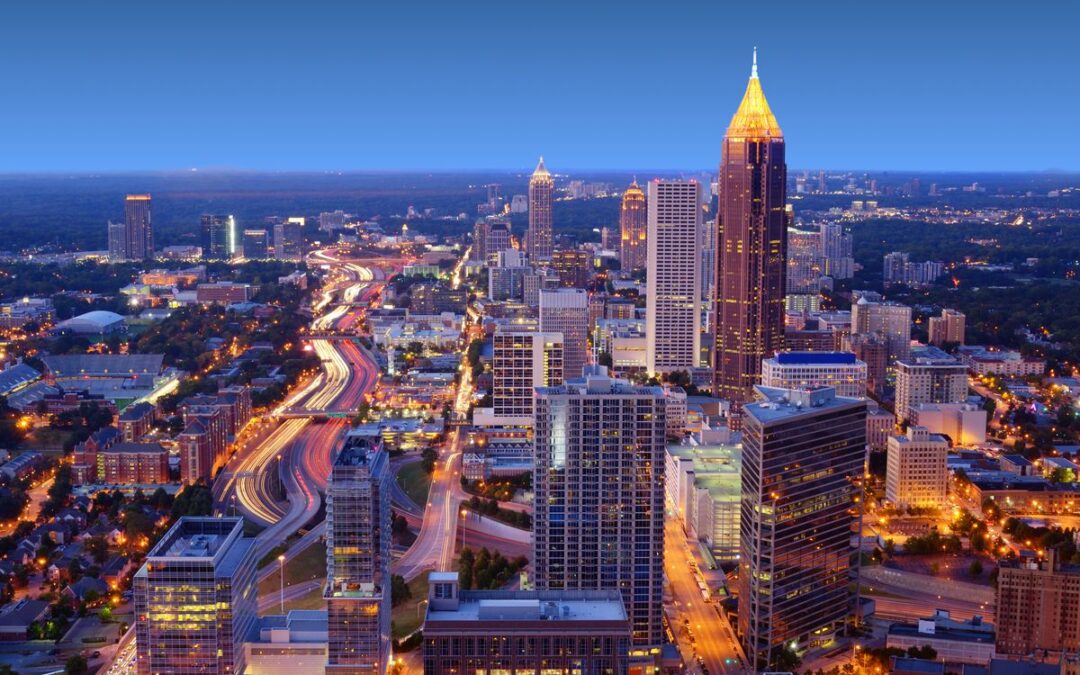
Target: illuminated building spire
754,119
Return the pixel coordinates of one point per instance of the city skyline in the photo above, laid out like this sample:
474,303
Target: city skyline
339,105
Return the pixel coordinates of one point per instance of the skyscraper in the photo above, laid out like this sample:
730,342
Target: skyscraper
195,599
358,558
256,244
752,246
117,241
219,241
573,267
672,314
599,457
802,452
541,196
522,360
140,231
566,311
288,240
633,228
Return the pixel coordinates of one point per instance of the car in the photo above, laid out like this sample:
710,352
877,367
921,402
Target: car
96,654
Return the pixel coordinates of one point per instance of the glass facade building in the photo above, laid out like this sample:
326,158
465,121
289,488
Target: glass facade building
803,453
195,599
358,558
599,481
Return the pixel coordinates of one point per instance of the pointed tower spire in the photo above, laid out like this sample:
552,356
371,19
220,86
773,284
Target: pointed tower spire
541,170
753,68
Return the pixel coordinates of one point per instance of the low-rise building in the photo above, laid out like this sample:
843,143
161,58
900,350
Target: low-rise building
222,293
806,370
294,643
1006,362
954,641
523,631
703,486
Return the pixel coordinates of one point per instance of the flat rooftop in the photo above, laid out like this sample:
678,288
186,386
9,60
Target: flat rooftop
197,537
553,606
782,404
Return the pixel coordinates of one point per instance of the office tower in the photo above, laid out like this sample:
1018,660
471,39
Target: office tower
572,266
836,248
117,241
358,558
751,251
810,370
140,231
256,245
929,375
219,240
541,196
332,220
633,229
497,240
672,314
707,264
522,631
805,265
195,599
890,320
288,240
873,350
803,450
506,275
916,472
535,280
599,458
478,253
521,361
1038,605
494,197
566,311
949,327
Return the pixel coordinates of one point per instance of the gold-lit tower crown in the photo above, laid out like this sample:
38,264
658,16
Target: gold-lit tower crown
754,121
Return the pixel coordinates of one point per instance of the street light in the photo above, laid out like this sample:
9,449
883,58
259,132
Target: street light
281,574
464,514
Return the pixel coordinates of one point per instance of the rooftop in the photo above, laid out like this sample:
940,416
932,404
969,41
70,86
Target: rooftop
561,606
194,537
781,404
815,358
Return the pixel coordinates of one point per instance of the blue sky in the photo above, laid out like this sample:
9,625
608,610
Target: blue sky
315,85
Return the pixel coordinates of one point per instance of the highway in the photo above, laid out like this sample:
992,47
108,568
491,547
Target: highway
699,626
434,545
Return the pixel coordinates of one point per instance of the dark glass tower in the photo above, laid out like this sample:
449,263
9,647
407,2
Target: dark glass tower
217,237
541,195
803,451
752,246
139,231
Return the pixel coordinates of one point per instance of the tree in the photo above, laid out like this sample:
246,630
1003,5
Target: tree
76,665
429,455
975,569
1063,475
399,590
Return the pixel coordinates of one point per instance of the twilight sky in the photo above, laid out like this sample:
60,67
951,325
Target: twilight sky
393,84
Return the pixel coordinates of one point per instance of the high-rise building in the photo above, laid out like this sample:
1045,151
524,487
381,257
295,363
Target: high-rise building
219,240
803,450
288,240
916,473
478,252
928,376
836,249
891,320
566,311
195,599
140,230
541,198
497,240
752,251
521,361
117,241
256,244
599,467
1038,605
523,631
572,266
506,275
358,558
134,238
633,229
808,370
672,310
332,220
949,327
